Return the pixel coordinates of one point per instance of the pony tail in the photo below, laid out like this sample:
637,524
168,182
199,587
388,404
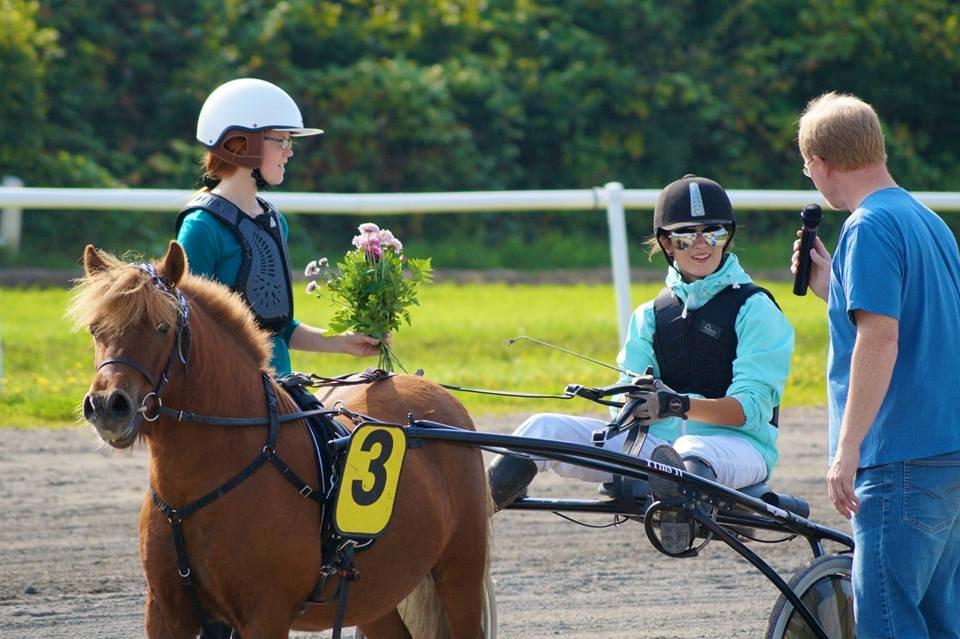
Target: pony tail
422,611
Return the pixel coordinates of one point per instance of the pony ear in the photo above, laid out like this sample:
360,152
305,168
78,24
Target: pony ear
173,266
93,262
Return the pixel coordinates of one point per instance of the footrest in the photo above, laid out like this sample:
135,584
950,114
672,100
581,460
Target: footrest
790,503
629,488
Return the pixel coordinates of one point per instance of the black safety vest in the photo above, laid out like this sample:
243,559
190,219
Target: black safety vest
696,353
265,279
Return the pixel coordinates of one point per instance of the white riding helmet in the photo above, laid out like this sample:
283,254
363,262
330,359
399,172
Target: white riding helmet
245,108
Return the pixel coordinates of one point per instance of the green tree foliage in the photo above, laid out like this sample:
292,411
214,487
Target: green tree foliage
426,95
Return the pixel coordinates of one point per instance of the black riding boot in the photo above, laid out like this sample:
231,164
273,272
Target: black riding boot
700,468
509,478
697,466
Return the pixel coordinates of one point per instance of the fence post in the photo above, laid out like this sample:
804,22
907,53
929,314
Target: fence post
619,262
11,219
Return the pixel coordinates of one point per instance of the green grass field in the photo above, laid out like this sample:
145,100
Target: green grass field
458,337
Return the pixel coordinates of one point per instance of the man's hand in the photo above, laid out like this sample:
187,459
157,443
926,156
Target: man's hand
820,262
840,481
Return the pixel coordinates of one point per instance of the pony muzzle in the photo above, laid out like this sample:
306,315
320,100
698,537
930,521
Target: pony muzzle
114,416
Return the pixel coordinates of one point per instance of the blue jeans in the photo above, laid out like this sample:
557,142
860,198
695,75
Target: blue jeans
906,567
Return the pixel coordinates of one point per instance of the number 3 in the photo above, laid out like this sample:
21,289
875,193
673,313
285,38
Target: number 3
376,468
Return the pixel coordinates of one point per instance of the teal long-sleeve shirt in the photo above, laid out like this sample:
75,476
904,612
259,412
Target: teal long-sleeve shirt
214,252
765,340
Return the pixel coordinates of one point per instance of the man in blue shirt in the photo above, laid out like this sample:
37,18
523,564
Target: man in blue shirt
893,299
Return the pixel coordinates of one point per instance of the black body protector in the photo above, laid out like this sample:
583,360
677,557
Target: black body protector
696,353
265,279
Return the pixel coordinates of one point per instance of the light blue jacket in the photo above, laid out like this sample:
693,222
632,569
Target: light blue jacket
760,370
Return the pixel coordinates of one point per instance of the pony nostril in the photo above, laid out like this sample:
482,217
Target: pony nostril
89,409
119,405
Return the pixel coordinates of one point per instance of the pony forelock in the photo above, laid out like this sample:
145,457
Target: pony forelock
118,296
122,295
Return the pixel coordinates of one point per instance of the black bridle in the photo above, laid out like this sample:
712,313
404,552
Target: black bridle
337,563
180,350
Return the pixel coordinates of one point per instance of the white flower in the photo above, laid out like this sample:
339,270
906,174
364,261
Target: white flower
368,227
312,270
312,286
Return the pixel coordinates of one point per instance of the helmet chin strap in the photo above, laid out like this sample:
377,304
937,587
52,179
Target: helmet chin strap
262,184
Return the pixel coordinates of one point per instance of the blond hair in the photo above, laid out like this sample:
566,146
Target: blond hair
843,130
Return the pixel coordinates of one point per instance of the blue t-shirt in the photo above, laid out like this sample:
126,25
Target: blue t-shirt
214,252
896,257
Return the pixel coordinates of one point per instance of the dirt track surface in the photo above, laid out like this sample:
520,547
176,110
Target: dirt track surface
69,564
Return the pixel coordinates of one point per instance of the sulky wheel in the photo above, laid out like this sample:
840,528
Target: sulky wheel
825,588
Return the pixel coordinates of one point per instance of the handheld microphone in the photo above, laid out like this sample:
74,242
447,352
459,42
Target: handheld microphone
811,215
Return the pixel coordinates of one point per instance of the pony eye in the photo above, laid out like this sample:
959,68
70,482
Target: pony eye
163,328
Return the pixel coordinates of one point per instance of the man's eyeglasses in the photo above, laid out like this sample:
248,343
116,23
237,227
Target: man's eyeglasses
806,167
684,238
285,143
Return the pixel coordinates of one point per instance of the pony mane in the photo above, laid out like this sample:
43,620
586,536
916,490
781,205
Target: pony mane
228,309
121,294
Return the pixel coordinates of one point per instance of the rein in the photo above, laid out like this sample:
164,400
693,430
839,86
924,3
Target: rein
571,391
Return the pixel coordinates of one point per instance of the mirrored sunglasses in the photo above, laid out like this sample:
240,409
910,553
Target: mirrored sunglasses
713,235
285,143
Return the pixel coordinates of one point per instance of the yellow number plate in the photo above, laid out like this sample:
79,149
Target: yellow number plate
368,487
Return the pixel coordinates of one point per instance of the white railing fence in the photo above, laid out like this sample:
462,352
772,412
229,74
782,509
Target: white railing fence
612,198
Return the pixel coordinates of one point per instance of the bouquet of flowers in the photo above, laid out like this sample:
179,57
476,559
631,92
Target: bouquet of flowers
371,288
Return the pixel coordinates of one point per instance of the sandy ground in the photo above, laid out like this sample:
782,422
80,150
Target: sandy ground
69,563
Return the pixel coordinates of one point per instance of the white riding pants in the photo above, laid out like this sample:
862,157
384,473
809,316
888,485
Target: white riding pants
736,463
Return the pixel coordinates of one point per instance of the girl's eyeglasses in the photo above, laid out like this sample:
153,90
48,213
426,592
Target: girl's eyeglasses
684,238
285,143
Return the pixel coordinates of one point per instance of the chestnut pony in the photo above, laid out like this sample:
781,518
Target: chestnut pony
254,552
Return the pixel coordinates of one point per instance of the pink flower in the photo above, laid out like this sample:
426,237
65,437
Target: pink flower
368,232
372,248
312,286
373,240
388,240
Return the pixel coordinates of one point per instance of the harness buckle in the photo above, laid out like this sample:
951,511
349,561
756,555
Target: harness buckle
599,437
306,491
143,406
